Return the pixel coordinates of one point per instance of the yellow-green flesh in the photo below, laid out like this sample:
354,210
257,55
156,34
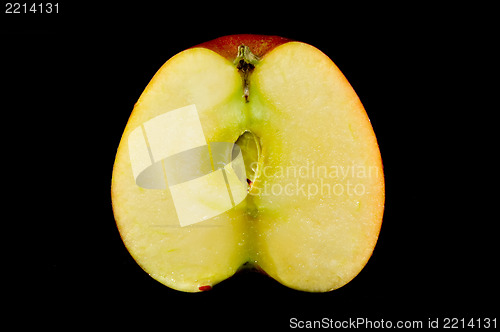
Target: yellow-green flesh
306,118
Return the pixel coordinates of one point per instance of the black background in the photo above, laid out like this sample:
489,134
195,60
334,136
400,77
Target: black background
71,80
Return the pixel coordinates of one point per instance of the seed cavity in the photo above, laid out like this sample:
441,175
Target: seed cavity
251,151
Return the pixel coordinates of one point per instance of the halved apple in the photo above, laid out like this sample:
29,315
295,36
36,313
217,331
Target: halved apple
315,200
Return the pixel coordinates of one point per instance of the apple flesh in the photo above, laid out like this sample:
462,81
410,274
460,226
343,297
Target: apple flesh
314,209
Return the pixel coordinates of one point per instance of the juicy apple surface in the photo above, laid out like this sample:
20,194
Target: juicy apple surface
314,208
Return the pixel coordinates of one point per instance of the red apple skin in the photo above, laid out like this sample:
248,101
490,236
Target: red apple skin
227,46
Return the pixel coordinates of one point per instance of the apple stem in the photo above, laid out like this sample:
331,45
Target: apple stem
245,62
245,54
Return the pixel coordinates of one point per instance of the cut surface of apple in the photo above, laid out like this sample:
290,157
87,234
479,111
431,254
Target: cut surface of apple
315,200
